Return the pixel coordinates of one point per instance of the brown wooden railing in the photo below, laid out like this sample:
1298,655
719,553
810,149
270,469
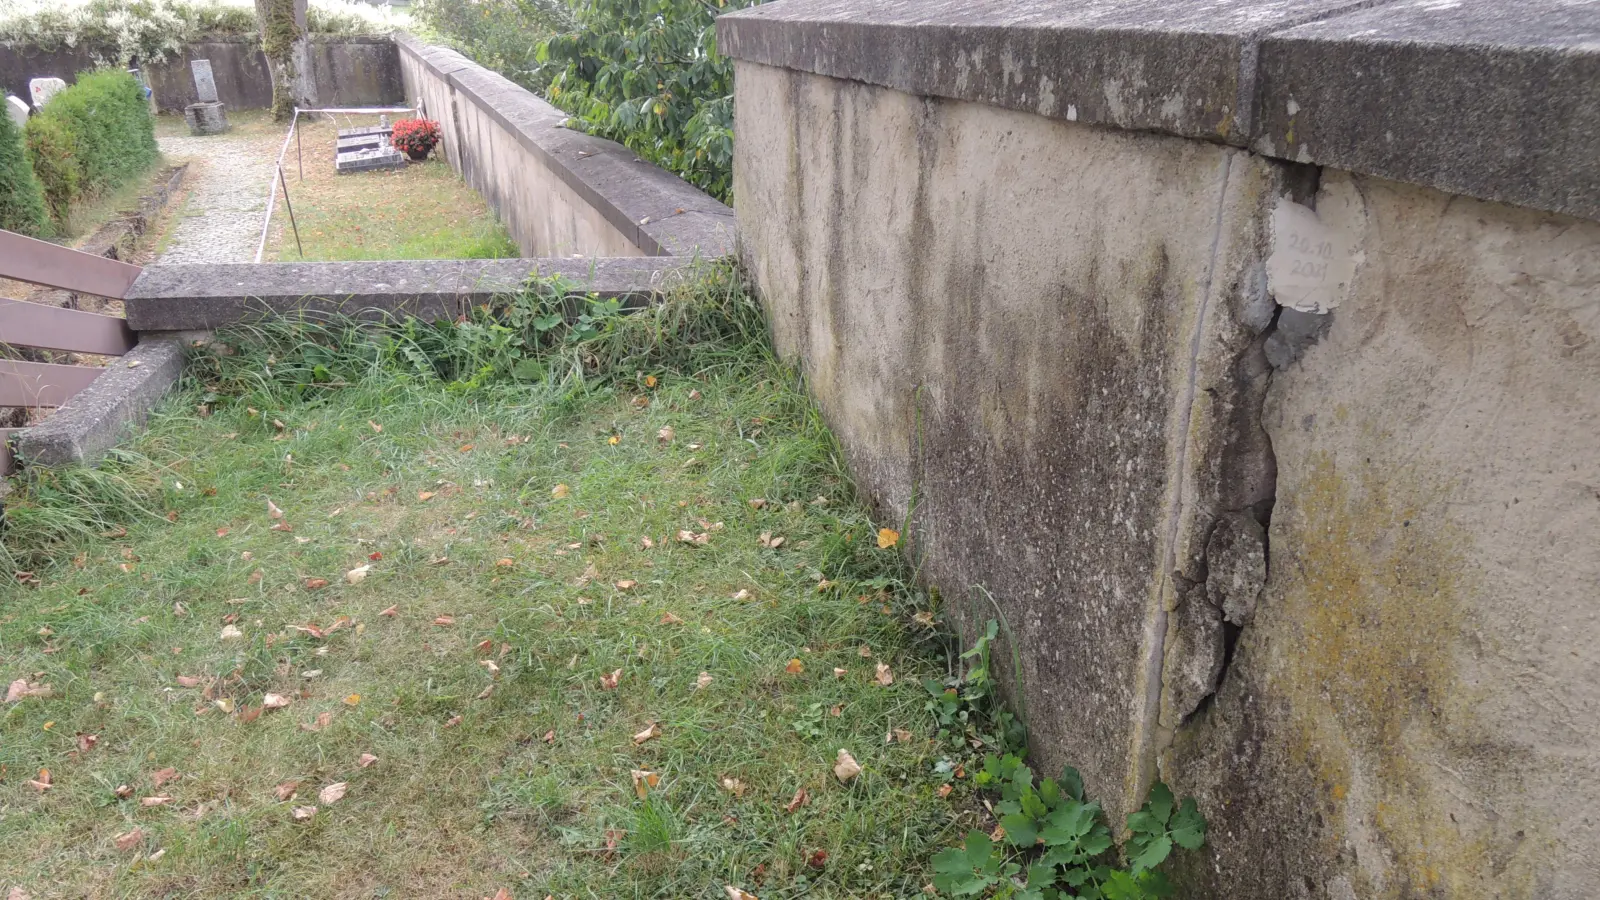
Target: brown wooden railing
22,324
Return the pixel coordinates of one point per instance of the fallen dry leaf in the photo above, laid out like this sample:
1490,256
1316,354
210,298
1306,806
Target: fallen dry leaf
703,682
358,574
225,704
231,632
273,510
887,537
901,735
43,783
845,768
883,676
770,542
733,786
549,736
643,781
737,894
444,621
286,790
608,682
158,800
250,713
490,665
560,491
742,594
366,760
864,651
352,699
795,667
323,720
758,503
128,840
452,722
281,526
333,793
21,688
162,776
502,894
123,792
425,496
666,434
649,734
391,612
627,584
376,428
839,673
315,584
801,798
670,619
944,791
274,701
302,813
505,562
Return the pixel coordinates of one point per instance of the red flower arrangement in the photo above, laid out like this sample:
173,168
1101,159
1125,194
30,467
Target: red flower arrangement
415,137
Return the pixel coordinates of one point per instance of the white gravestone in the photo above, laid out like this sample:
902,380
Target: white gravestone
205,84
43,89
18,110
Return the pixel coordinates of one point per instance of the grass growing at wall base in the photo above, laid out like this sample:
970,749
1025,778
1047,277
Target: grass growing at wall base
502,509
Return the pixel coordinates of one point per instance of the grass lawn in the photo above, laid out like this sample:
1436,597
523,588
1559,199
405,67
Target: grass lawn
611,629
424,211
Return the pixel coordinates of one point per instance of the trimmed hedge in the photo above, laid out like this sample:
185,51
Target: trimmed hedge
21,199
91,138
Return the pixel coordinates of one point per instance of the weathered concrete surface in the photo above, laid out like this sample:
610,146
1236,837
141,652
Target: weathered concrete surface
185,297
1492,99
347,71
1050,335
100,414
1413,711
1484,98
1178,68
558,191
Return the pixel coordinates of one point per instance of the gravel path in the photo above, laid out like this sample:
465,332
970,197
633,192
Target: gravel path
221,220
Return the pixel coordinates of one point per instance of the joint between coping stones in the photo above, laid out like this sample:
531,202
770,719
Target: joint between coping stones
1248,99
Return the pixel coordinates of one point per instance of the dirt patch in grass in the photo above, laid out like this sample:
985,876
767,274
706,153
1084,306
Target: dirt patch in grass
524,547
423,211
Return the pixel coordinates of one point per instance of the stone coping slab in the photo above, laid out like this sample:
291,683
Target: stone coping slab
661,213
97,416
1493,99
190,297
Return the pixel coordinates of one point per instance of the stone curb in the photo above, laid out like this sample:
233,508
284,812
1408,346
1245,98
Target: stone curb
662,214
184,297
93,421
1495,100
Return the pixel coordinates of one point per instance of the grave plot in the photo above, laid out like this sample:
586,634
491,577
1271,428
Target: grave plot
355,196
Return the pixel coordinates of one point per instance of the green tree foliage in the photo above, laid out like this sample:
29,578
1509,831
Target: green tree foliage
647,73
21,199
503,35
91,138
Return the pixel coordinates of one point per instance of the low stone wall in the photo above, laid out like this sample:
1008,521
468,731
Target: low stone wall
559,192
1197,340
347,71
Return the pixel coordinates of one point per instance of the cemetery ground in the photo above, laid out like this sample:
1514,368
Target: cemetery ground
424,611
423,211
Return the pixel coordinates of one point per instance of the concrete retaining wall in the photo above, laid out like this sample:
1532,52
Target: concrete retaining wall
347,71
560,192
1281,471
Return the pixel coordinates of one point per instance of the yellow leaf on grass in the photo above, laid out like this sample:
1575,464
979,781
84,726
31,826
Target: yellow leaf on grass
352,700
795,667
643,781
560,491
887,537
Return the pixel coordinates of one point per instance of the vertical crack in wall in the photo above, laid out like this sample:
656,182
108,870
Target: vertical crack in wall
1147,742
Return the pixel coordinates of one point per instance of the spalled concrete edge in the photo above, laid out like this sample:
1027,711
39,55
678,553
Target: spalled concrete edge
178,298
1495,101
94,420
662,214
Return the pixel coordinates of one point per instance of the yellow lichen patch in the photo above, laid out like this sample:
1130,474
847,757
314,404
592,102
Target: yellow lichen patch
1375,604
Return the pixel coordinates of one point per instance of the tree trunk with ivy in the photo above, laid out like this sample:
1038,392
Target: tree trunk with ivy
283,40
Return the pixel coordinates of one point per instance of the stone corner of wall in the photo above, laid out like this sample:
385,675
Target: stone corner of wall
662,214
1495,101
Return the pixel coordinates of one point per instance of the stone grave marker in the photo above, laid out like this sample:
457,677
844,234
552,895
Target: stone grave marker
42,89
17,109
205,83
208,116
384,157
